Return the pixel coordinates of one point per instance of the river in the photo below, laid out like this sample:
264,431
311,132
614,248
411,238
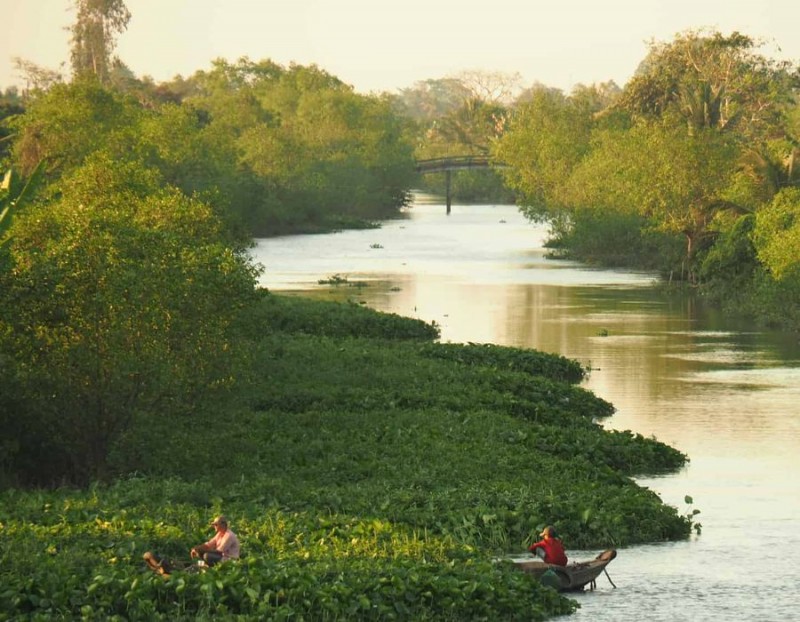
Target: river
720,391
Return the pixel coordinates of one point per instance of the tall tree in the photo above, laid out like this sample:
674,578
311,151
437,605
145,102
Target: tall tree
93,36
547,138
491,87
69,122
37,78
430,99
118,302
679,182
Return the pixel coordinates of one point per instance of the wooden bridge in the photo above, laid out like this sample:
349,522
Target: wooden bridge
455,163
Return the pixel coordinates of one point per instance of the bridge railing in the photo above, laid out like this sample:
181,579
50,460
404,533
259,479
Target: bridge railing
435,165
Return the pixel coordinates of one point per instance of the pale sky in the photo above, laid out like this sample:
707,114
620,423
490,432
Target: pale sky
387,45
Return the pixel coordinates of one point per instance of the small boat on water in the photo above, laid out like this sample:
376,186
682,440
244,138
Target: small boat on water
573,577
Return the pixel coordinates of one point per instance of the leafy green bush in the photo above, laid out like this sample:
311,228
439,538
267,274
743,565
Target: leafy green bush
290,314
515,359
615,240
78,554
117,301
367,478
376,374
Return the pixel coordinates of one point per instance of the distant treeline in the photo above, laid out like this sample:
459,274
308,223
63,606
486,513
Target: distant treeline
691,169
127,205
141,363
272,149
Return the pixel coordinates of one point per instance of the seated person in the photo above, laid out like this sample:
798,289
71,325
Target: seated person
549,548
222,547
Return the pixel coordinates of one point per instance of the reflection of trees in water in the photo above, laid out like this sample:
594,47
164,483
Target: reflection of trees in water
652,362
622,334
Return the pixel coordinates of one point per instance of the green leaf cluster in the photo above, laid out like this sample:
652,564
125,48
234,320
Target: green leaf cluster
285,314
118,300
703,134
777,235
366,476
271,149
78,554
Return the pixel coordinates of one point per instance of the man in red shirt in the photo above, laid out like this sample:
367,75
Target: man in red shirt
550,546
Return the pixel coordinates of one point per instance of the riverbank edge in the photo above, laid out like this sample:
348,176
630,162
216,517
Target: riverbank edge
322,498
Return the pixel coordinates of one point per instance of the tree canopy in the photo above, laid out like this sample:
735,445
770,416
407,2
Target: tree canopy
702,134
97,22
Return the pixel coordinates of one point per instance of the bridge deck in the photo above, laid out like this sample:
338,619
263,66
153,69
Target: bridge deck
455,163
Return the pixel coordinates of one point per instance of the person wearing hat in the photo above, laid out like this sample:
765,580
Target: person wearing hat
549,548
222,547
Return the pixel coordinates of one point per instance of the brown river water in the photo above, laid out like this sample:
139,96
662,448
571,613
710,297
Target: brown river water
721,391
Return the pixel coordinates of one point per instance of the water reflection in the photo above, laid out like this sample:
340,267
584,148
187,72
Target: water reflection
719,391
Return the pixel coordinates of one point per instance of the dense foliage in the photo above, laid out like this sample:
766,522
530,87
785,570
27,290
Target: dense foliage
366,476
704,137
78,555
371,472
531,362
270,149
286,314
118,301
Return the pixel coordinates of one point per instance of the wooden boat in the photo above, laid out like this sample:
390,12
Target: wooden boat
573,577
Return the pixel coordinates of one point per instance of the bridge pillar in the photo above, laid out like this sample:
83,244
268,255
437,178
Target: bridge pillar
447,179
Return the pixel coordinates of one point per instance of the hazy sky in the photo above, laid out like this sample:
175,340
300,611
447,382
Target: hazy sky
385,45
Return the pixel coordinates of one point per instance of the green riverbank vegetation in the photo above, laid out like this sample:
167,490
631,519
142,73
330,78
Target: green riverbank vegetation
271,149
690,169
370,472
